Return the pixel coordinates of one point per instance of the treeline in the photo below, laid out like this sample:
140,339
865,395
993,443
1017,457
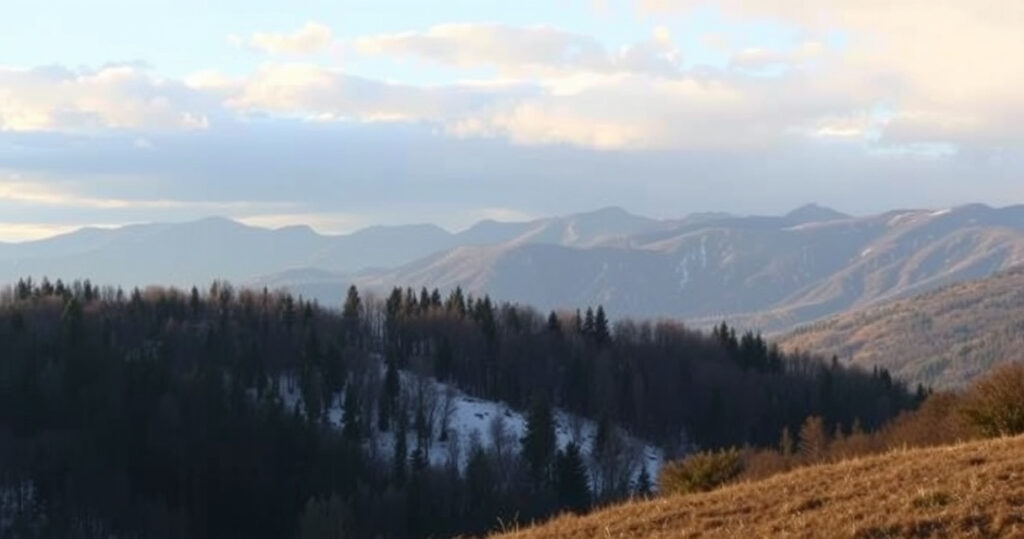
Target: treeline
662,381
991,406
241,413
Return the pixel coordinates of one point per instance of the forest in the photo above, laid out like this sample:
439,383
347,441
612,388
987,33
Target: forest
230,412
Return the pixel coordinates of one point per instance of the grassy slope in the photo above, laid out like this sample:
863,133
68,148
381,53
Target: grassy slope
967,490
943,338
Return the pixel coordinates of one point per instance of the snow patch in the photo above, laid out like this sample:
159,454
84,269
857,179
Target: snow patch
902,217
487,422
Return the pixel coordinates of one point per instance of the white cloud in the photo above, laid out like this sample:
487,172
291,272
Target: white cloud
525,51
318,93
953,67
756,58
313,37
121,96
906,73
637,112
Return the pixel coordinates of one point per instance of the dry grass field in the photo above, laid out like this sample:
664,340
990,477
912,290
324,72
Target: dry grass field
968,490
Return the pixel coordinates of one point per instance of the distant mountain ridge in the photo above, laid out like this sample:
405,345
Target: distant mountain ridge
766,272
215,247
770,273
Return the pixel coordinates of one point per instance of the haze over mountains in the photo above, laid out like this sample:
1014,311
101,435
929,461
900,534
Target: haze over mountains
766,272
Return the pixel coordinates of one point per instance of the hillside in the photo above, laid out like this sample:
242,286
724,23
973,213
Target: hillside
969,490
943,338
770,273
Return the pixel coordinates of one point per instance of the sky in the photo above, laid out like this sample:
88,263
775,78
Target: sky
345,114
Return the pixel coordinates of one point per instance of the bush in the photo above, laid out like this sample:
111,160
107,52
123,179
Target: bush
700,472
995,403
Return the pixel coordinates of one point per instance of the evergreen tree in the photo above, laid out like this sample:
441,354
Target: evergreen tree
601,333
554,326
400,453
443,360
352,313
351,429
539,441
571,479
588,323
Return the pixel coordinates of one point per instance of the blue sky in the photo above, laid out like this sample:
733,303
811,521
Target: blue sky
348,114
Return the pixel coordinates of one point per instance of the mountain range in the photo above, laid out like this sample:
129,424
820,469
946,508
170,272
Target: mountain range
768,272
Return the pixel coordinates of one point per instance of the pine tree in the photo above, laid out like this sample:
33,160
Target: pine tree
353,305
539,441
194,302
443,360
601,333
351,313
554,326
588,323
400,453
571,479
350,415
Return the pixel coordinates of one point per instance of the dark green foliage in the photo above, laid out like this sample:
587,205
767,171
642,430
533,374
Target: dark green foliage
539,441
571,479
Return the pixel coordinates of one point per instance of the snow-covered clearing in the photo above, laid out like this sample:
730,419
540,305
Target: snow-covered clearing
494,425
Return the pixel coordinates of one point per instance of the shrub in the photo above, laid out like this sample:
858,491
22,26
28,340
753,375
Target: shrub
700,472
995,403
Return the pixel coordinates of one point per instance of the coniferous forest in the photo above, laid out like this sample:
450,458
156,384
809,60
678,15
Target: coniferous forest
167,413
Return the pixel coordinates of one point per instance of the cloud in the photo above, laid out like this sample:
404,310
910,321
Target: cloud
116,96
755,58
698,111
314,92
33,231
313,37
519,51
36,193
951,66
948,81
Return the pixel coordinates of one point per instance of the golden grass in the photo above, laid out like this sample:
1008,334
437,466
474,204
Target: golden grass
968,490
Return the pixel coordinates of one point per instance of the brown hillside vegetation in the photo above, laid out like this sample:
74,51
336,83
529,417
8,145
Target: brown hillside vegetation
974,489
943,338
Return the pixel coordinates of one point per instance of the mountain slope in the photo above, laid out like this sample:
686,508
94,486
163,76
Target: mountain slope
766,272
968,490
942,338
